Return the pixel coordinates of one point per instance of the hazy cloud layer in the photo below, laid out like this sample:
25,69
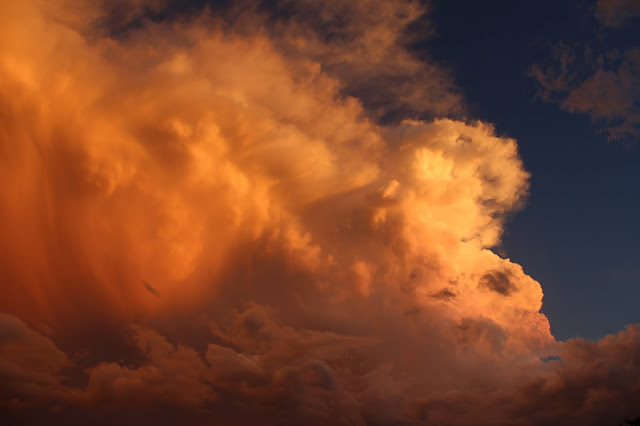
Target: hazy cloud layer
204,219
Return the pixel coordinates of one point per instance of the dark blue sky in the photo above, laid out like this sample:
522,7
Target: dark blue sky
578,235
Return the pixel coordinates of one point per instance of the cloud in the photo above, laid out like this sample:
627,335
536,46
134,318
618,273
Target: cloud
602,87
265,371
611,94
30,367
616,13
594,375
323,256
594,80
363,44
168,375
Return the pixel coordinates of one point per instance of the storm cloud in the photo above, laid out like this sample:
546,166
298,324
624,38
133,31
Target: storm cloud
316,230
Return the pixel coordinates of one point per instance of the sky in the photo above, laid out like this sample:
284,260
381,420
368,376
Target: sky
319,212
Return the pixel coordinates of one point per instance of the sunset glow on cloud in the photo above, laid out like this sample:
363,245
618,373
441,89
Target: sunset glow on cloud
234,217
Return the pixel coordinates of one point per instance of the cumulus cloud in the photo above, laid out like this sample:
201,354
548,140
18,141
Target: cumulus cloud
317,254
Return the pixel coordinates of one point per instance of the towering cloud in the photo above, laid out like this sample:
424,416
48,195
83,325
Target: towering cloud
205,218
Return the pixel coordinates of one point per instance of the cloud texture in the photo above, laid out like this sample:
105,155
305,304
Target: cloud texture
206,218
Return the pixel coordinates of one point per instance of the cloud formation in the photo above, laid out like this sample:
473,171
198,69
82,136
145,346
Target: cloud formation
596,81
603,86
616,13
318,243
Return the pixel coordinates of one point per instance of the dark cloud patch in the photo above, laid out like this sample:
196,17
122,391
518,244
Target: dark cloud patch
551,358
498,281
444,294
